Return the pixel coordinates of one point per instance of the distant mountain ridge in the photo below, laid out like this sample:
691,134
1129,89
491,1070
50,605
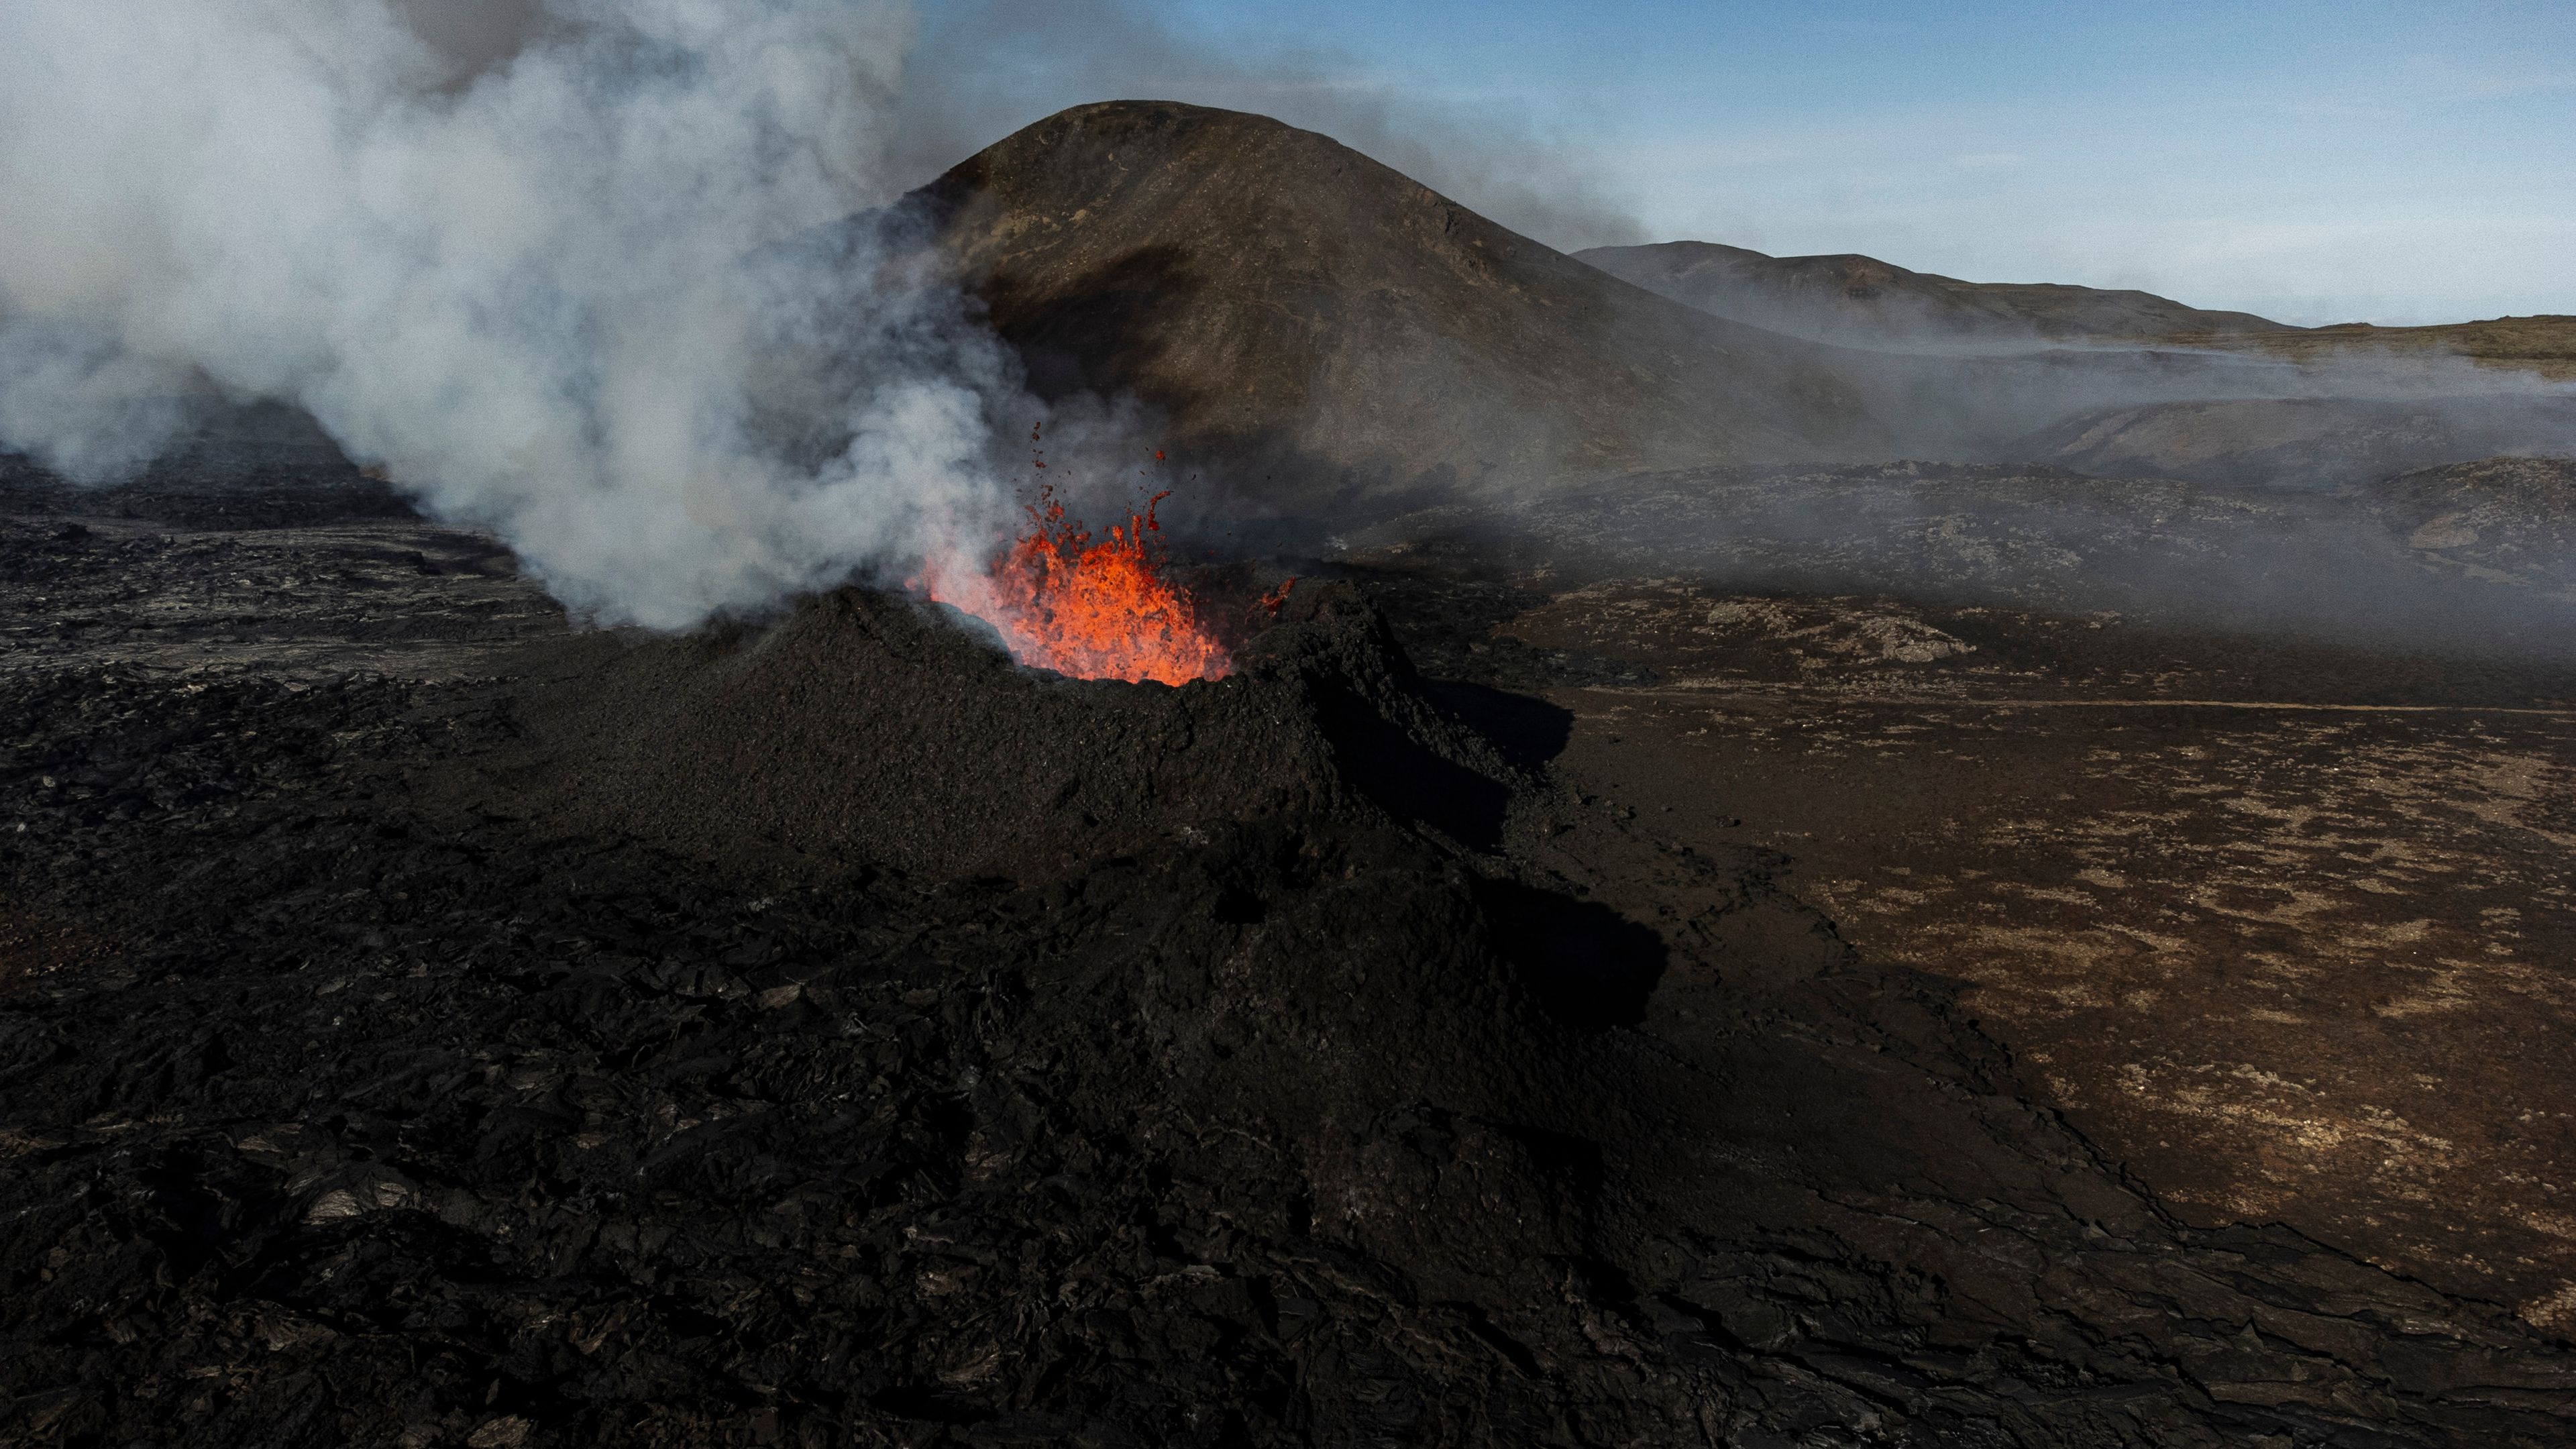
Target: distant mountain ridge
1322,341
1851,298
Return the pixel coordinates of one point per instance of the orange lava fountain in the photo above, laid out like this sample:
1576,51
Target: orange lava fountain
1094,608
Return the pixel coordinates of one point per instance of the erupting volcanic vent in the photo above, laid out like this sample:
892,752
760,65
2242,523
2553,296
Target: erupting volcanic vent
1090,606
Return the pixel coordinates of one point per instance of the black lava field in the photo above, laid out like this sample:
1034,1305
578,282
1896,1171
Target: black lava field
424,1024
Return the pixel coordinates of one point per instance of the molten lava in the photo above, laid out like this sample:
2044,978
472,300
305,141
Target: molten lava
1094,608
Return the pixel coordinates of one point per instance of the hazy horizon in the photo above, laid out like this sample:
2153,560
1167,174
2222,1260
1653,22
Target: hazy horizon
2312,163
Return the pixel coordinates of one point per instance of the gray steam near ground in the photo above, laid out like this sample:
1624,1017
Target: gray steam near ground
585,274
555,297
555,263
2075,376
2469,559
1866,302
2386,501
2339,497
2213,416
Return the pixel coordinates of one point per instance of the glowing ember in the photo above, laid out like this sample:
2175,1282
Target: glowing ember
1094,608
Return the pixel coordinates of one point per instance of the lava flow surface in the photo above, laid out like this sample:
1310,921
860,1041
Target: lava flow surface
836,1032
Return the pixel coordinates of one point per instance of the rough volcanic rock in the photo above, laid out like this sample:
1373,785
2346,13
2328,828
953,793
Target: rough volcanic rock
237,467
335,1112
2305,441
2500,520
2460,561
866,729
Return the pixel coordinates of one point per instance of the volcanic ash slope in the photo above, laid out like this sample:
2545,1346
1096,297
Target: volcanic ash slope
1334,330
866,730
1853,298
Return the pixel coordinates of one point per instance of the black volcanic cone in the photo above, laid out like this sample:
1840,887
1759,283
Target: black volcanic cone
867,729
1336,332
552,1136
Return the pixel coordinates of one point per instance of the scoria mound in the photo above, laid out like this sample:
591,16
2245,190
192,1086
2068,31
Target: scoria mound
871,730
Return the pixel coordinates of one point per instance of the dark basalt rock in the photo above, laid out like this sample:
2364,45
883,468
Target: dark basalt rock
305,1144
378,1068
871,730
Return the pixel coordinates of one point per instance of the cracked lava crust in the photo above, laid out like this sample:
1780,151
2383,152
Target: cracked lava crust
427,1026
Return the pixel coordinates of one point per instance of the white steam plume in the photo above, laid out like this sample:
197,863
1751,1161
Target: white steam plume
599,295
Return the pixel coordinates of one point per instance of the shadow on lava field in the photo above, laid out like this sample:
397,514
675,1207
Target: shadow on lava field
2286,930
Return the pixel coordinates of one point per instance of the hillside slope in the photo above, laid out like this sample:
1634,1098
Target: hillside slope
1847,297
1287,302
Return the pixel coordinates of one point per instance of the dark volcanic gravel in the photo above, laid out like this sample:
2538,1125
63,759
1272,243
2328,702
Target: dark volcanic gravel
379,1067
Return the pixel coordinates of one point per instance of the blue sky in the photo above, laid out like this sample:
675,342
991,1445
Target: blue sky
2313,162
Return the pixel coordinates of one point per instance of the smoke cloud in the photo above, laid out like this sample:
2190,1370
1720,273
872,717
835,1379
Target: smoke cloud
584,273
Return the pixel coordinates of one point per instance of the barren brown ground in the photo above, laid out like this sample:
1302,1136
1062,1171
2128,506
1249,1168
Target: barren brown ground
2289,933
2543,344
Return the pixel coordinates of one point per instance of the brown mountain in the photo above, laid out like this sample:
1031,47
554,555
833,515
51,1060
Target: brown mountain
1856,298
2544,344
1286,301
